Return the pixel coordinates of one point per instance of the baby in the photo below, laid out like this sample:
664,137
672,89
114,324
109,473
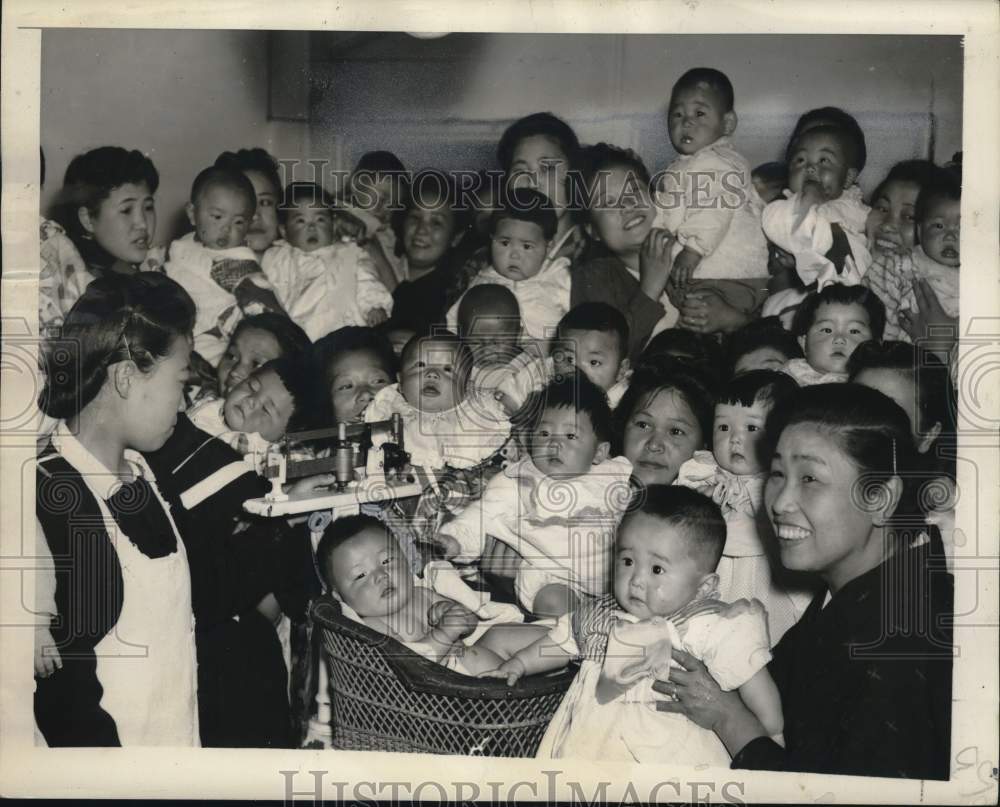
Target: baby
213,263
732,474
558,507
665,597
706,197
489,323
444,424
378,188
829,325
364,567
821,223
762,344
593,337
353,363
936,259
520,236
323,282
259,410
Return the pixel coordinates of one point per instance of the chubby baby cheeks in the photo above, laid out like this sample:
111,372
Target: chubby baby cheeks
221,214
261,404
434,373
836,330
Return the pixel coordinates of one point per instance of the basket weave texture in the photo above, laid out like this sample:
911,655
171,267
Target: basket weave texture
387,698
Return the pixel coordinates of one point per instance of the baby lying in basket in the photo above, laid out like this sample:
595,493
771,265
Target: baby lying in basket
364,567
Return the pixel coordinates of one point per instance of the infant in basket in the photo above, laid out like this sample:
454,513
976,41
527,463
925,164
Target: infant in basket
364,567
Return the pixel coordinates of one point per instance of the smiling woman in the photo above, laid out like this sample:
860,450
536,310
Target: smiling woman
865,675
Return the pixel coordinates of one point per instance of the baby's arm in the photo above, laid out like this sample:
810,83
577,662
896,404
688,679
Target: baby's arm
464,537
46,656
373,297
761,696
542,655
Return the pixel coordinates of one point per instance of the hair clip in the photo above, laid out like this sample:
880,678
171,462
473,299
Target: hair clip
894,472
128,350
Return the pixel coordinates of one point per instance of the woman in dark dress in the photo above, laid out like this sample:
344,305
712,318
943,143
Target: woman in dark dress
865,675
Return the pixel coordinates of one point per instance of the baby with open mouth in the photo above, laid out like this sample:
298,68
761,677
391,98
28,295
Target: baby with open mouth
445,421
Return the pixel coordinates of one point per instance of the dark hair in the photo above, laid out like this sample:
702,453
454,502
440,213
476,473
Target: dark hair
223,178
292,340
351,339
296,374
869,427
296,193
832,115
583,396
602,157
487,299
380,162
91,177
928,373
768,387
772,173
761,333
700,518
943,183
337,533
253,159
920,172
595,316
528,205
839,294
700,349
118,317
847,138
659,373
540,124
717,81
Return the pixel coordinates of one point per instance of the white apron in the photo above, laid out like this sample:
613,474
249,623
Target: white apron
147,663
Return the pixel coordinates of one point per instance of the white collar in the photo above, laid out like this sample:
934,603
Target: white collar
99,479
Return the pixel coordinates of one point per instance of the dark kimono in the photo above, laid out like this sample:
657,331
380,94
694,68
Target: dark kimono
865,682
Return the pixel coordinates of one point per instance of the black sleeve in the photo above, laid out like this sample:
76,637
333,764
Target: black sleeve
606,280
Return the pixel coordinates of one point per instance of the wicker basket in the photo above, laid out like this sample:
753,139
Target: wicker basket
387,698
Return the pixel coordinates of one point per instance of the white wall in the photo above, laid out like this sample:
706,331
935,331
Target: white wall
182,97
445,101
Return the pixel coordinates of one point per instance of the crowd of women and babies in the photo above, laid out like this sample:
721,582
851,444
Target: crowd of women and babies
730,392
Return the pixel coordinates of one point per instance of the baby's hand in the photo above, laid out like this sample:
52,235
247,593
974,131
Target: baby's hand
47,658
811,194
345,225
684,265
654,262
513,670
310,484
451,619
376,317
447,546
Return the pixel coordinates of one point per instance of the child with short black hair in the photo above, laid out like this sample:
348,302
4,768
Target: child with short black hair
379,187
763,344
707,200
444,423
258,411
733,475
829,325
256,341
324,282
821,222
593,338
213,263
365,569
935,259
665,597
353,364
557,507
521,233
